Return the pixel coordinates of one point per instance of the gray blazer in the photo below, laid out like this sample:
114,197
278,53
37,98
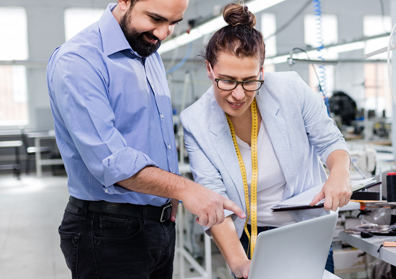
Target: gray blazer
299,129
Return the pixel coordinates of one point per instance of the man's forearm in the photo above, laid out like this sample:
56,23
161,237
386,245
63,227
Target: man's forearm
197,199
155,181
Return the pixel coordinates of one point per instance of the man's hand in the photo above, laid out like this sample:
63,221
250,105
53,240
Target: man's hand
175,204
208,205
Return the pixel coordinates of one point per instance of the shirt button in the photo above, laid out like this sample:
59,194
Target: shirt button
162,116
169,147
107,191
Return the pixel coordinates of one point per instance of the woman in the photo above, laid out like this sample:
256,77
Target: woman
259,142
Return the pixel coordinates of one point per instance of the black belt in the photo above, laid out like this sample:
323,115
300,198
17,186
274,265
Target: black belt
148,212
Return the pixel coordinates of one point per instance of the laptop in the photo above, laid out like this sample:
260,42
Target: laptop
297,251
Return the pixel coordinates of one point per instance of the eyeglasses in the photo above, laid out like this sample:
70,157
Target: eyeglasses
229,84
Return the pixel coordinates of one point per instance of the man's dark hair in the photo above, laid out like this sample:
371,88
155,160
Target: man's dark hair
133,2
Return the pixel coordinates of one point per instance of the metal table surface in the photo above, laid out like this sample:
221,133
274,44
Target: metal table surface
328,275
37,143
371,246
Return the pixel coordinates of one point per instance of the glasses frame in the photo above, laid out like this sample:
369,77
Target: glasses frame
261,81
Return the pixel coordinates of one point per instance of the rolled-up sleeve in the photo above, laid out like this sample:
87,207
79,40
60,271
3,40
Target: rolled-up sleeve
122,164
79,91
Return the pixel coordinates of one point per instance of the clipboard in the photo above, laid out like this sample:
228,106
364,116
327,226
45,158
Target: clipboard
302,200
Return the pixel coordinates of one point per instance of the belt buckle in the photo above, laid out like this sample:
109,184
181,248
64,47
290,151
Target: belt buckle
163,210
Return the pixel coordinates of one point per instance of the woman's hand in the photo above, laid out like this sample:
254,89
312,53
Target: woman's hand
241,270
337,190
227,240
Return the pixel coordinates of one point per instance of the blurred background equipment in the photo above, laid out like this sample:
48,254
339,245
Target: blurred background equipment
364,161
342,105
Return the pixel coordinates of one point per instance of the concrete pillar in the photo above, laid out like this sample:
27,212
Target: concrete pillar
292,36
393,15
45,33
349,77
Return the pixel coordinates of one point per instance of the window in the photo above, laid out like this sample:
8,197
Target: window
377,92
376,25
270,68
329,30
312,38
77,19
323,73
268,28
13,86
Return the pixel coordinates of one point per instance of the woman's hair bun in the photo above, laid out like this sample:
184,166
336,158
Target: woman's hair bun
237,14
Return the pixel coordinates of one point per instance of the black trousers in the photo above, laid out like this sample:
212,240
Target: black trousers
100,245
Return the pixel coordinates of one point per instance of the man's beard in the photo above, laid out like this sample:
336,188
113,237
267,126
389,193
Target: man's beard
136,40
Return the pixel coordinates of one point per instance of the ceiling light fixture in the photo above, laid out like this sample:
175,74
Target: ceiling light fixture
212,25
336,48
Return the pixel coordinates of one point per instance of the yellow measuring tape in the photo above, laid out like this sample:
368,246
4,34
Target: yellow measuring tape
253,185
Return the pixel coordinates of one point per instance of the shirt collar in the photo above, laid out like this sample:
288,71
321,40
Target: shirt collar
112,36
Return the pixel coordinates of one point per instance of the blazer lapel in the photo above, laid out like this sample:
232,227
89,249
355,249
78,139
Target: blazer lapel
277,131
222,140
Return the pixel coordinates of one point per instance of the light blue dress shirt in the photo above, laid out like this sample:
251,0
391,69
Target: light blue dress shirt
112,113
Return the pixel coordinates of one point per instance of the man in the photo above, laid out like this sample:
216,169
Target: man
113,124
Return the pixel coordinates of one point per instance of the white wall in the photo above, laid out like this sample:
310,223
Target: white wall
46,32
349,77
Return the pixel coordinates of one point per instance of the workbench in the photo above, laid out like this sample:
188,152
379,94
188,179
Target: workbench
37,143
16,167
371,246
